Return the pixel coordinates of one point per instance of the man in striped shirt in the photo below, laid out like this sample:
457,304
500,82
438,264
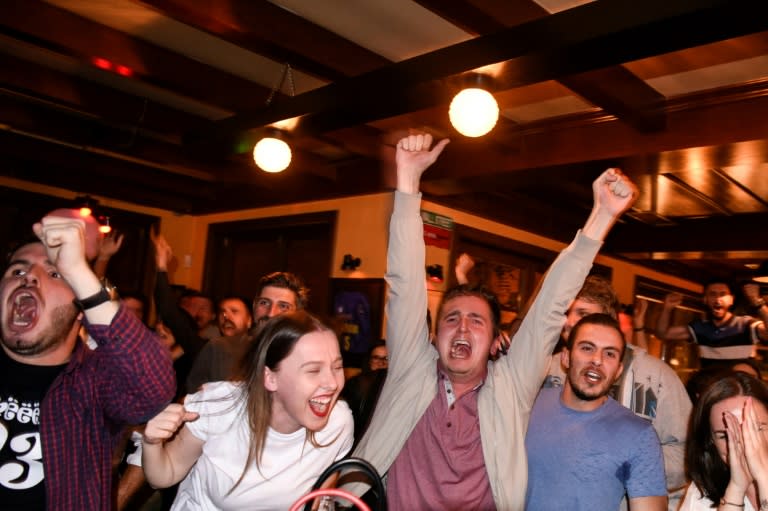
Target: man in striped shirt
722,337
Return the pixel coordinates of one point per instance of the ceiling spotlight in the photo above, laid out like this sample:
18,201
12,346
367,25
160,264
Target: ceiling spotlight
271,153
761,274
474,111
86,204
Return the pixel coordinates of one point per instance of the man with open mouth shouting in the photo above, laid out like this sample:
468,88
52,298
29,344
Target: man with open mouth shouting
61,404
723,338
449,425
585,450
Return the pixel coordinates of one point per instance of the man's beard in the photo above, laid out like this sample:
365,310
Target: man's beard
583,396
60,324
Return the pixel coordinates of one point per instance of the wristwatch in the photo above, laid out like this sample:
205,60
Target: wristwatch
102,296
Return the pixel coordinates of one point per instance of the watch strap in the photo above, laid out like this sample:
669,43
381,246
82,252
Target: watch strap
95,300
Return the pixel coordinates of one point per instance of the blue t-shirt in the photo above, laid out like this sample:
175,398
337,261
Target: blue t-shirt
589,460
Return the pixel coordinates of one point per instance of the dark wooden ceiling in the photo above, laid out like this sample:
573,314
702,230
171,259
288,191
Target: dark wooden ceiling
675,93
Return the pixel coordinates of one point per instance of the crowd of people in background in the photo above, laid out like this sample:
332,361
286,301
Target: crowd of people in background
183,402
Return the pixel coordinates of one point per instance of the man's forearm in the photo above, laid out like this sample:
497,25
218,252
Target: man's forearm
129,485
662,325
407,306
137,370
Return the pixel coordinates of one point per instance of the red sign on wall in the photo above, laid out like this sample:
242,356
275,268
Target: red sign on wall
438,229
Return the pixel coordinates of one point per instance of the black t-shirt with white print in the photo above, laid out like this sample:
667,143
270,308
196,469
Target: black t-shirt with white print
22,388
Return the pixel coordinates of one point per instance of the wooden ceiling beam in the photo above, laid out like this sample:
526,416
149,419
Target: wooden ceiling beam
269,30
614,89
25,78
73,169
712,234
740,115
46,131
61,31
589,37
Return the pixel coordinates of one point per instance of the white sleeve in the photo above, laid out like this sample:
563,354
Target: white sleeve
135,457
216,403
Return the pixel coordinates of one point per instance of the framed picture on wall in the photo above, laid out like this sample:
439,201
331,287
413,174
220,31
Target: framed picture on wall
508,282
509,268
357,310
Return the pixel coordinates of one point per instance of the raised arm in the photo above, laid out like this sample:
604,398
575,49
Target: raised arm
664,331
109,246
136,370
182,326
533,343
639,337
413,156
752,293
613,194
64,241
464,264
407,304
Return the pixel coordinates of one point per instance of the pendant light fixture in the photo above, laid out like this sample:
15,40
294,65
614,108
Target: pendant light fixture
474,111
272,153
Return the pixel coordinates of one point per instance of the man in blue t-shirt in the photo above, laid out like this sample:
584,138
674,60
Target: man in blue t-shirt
585,450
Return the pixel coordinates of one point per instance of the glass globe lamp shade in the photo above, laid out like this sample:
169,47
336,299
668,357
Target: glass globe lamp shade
474,112
272,154
761,274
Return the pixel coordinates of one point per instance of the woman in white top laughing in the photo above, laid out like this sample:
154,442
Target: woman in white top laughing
259,443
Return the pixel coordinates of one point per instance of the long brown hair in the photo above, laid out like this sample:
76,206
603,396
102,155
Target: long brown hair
703,464
274,342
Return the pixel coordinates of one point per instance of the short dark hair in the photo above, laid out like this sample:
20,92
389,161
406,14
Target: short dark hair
718,280
597,318
15,245
703,464
194,293
238,298
286,280
479,291
598,290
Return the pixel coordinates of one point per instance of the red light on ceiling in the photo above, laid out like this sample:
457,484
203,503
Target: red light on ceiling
108,65
123,70
102,63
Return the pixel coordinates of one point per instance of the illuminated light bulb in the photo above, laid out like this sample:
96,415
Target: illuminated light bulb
474,112
104,227
85,211
272,154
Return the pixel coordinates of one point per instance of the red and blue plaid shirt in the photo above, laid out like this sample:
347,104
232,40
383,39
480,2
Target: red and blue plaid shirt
127,380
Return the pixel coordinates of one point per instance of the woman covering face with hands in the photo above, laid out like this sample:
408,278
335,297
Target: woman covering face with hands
727,447
260,443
